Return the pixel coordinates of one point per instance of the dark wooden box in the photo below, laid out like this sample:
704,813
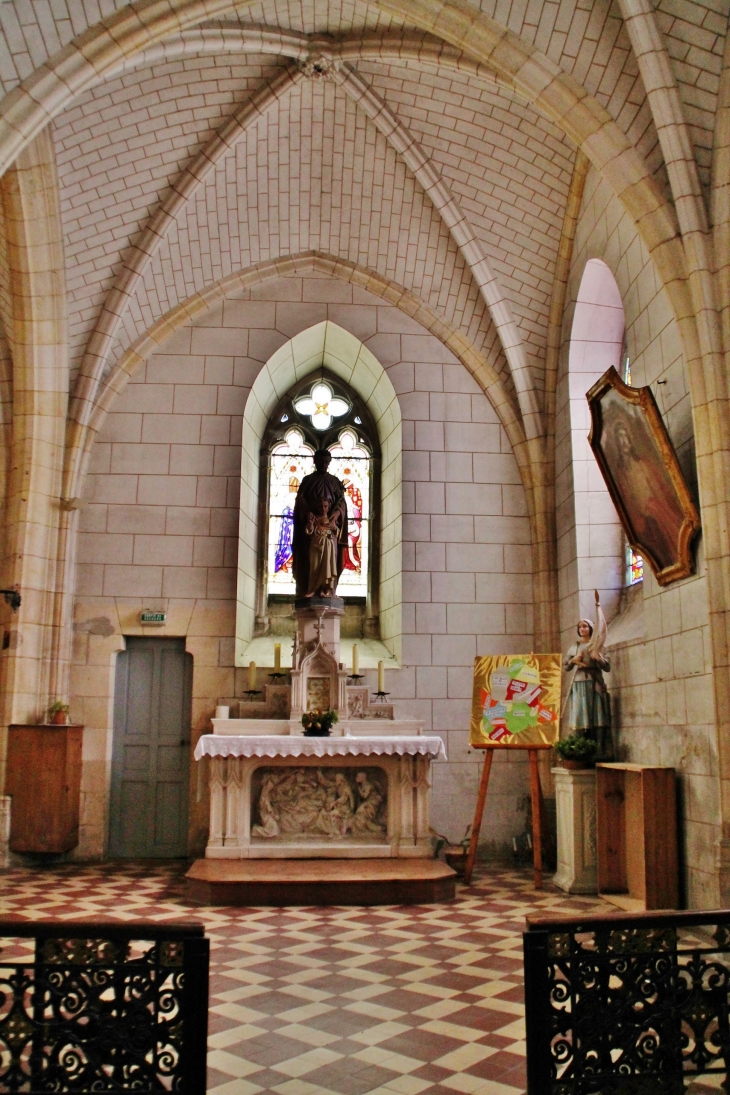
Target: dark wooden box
44,778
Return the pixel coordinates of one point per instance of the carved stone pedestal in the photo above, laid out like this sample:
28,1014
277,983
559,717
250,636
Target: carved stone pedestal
575,798
318,680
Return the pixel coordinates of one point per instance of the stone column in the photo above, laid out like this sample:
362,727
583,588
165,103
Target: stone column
575,794
35,665
5,802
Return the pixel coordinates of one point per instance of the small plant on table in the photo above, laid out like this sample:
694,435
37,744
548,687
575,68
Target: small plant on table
58,713
317,724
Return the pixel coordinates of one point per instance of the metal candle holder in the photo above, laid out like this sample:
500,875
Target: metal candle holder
355,678
251,692
380,696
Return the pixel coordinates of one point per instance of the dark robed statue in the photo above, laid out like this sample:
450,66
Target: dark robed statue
320,530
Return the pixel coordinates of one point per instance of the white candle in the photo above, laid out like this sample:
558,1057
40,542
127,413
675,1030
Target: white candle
222,712
277,657
381,676
252,676
355,660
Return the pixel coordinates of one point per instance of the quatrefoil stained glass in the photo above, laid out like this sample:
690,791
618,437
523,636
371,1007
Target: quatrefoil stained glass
321,406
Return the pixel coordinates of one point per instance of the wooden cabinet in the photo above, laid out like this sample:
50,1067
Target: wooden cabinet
44,779
636,833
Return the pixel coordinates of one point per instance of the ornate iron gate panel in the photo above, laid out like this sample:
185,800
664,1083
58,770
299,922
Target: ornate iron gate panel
104,1008
626,1005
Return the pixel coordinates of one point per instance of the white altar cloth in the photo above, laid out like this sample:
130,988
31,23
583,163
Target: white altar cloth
275,745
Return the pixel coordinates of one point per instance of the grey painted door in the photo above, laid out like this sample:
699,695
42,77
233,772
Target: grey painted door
151,753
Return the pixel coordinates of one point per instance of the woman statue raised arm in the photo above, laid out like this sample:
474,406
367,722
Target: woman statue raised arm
589,704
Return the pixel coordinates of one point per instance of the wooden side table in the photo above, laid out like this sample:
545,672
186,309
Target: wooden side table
44,779
636,831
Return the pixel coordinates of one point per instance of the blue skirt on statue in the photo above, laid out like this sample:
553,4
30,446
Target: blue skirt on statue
589,711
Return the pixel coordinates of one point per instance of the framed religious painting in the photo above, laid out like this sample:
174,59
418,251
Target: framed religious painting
643,476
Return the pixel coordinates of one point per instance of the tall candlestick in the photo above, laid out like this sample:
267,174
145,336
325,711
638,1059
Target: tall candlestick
381,676
355,660
277,657
252,676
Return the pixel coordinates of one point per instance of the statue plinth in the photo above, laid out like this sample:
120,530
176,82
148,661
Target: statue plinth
335,604
575,796
318,678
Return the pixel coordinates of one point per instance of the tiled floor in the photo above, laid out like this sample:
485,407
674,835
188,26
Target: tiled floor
338,1001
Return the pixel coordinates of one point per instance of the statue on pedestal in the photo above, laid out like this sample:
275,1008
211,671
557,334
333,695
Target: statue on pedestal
320,531
589,704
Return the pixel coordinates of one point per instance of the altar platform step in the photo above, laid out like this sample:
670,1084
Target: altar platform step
319,882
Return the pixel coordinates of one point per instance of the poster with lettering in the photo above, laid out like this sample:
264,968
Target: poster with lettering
516,700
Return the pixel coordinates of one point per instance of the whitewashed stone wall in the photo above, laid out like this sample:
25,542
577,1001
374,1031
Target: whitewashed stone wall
160,530
661,680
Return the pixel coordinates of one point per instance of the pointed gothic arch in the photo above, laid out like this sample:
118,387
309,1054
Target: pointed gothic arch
328,346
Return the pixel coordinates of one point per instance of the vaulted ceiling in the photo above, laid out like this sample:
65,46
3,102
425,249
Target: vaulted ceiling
335,126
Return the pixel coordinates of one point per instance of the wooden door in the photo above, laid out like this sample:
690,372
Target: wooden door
151,753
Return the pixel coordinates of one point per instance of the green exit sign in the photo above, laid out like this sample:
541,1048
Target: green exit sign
152,617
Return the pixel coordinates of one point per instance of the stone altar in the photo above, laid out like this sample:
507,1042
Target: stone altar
379,806
361,793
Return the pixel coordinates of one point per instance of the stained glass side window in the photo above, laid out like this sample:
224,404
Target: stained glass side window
291,460
634,566
351,464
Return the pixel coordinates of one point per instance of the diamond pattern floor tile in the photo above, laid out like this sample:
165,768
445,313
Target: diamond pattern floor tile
336,1001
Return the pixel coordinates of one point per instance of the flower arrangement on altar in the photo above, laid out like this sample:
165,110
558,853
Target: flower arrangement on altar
317,724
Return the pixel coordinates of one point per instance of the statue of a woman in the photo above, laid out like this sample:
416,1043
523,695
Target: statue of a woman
589,705
320,530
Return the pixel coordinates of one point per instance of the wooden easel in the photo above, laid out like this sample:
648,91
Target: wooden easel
537,807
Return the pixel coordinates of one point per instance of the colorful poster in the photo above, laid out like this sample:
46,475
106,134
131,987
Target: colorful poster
516,699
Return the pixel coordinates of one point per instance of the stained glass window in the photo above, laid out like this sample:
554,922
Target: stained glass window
291,460
634,566
351,464
321,406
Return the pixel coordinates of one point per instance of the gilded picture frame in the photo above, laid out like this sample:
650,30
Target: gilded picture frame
641,471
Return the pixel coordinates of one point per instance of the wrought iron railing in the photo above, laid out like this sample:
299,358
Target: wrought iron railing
104,1008
626,1004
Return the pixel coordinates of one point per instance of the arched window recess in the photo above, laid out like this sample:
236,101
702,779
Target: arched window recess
319,412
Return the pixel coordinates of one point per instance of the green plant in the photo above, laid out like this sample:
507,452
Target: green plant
58,708
576,747
318,723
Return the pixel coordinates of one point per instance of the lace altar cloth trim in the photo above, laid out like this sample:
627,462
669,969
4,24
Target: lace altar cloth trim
275,745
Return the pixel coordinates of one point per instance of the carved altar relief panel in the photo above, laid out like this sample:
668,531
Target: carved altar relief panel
308,804
318,693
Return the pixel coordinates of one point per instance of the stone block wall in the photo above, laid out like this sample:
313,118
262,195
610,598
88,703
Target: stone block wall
661,680
160,531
